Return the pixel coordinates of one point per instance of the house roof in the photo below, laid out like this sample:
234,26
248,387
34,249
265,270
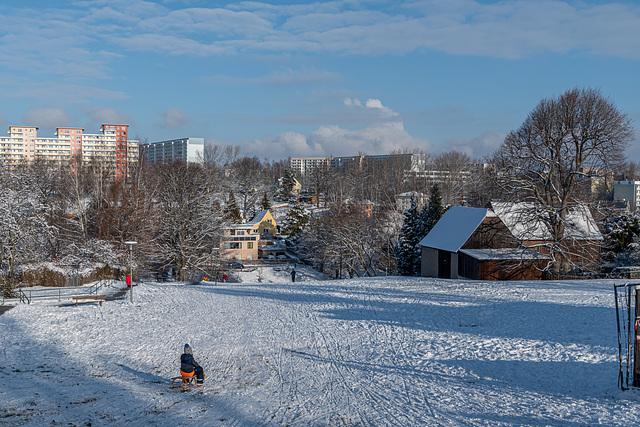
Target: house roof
522,220
454,228
258,218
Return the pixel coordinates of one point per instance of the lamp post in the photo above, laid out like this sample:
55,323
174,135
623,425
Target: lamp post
130,245
215,251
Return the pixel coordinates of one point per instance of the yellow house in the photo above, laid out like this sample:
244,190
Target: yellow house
240,241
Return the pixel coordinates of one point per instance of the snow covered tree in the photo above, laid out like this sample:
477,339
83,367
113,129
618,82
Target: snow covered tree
285,186
431,212
346,241
24,231
622,234
231,211
190,223
294,222
543,161
407,251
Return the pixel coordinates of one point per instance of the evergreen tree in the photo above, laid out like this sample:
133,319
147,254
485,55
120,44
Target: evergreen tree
295,221
231,212
265,204
431,212
620,233
287,182
407,250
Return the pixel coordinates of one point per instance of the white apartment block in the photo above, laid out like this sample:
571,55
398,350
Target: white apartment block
628,191
302,166
187,150
110,147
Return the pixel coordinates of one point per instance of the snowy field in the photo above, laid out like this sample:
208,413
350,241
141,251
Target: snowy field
384,351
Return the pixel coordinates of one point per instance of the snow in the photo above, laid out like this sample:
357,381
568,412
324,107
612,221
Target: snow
369,351
523,222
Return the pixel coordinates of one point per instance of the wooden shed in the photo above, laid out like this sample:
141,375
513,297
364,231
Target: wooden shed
474,243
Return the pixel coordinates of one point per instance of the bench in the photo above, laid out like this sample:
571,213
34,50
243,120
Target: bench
82,299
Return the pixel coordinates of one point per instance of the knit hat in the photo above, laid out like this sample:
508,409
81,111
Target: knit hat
187,349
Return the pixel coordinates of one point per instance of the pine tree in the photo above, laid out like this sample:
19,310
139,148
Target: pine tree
295,221
407,251
287,182
431,212
231,212
265,204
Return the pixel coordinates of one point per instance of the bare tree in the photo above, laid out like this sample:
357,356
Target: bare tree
542,161
189,217
453,169
24,231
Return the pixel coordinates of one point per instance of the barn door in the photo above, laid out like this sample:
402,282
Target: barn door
444,265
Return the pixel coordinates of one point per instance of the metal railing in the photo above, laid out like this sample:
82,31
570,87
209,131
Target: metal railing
27,296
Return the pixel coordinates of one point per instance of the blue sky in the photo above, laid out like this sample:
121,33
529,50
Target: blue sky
289,78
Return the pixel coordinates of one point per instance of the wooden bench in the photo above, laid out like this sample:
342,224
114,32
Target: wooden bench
83,299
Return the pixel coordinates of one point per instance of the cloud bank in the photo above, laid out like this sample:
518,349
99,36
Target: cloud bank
384,134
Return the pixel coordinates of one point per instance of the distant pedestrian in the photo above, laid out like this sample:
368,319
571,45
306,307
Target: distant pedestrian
293,275
224,277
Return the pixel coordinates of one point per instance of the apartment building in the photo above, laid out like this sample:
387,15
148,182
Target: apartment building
188,150
302,166
628,191
111,146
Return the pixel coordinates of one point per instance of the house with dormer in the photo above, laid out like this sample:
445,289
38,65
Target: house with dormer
240,241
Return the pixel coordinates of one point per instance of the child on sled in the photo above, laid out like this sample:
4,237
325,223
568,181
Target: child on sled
189,367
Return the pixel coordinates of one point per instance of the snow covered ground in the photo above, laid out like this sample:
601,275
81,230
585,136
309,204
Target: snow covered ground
383,351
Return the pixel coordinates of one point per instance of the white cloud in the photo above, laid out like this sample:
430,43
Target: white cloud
381,131
285,78
333,140
46,117
102,115
477,147
173,118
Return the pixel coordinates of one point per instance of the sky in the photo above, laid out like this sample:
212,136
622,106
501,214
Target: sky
300,79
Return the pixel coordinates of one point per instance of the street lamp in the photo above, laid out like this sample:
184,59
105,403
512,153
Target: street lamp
130,245
215,251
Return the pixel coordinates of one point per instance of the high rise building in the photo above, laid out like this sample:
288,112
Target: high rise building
111,147
628,191
188,150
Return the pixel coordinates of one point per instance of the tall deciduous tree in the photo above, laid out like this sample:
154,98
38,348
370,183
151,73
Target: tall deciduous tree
544,159
189,220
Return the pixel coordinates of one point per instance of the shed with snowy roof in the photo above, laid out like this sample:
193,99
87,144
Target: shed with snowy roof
474,243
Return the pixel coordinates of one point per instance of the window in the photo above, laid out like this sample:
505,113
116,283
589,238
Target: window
240,232
250,245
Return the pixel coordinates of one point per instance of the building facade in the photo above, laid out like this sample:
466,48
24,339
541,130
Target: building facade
188,150
111,147
628,191
241,241
410,162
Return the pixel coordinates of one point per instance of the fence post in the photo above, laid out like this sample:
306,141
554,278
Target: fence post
636,346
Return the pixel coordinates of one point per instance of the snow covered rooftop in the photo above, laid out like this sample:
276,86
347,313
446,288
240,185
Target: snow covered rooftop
454,228
523,220
259,217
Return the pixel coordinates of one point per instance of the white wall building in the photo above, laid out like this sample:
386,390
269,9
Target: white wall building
188,150
628,191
